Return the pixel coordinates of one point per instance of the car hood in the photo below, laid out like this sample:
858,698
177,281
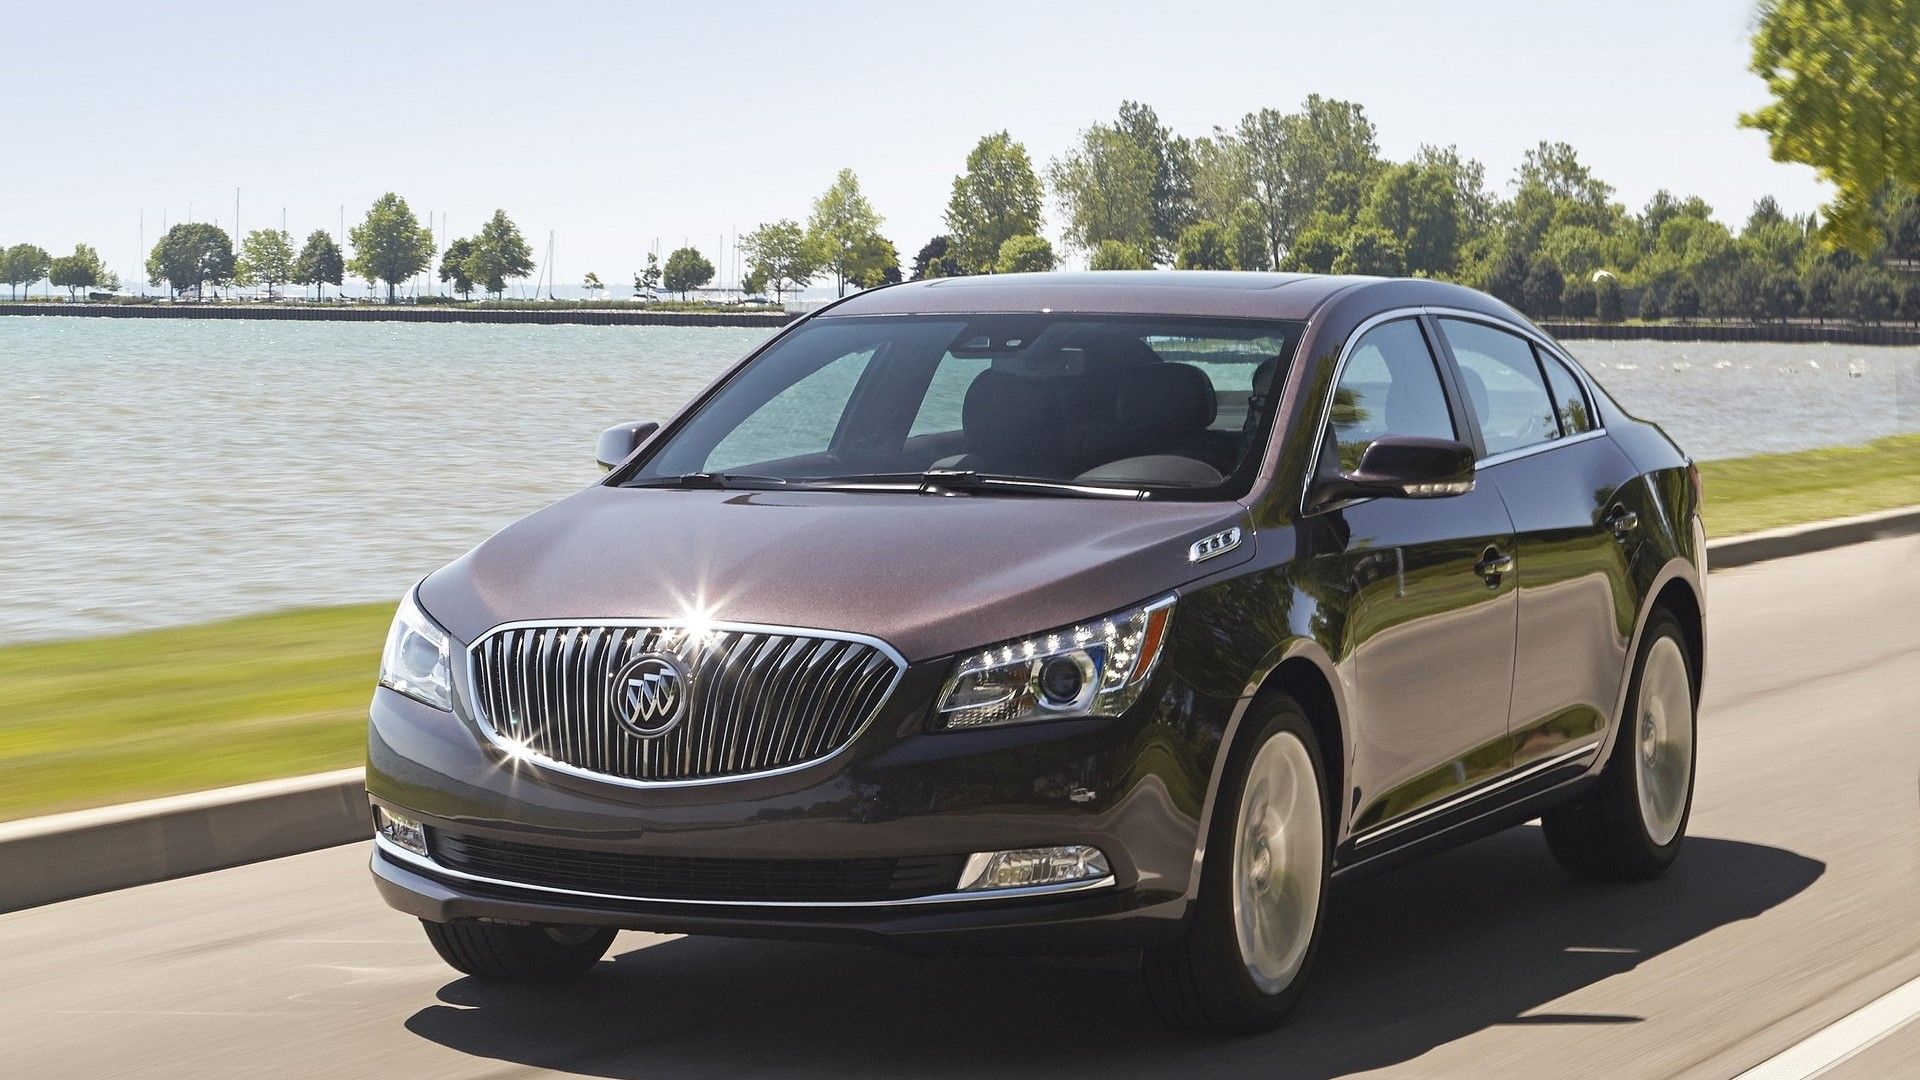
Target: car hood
929,574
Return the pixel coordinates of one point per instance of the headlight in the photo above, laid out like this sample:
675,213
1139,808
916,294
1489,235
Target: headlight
1094,669
416,661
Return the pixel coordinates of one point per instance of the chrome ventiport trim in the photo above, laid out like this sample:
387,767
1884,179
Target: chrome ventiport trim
1215,544
407,858
568,633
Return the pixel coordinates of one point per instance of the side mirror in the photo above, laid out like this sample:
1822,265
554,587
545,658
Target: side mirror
618,442
1404,467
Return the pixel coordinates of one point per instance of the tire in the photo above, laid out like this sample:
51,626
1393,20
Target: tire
1614,833
1206,979
501,953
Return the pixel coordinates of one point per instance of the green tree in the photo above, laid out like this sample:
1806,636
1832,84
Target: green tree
686,271
1845,100
998,197
934,260
873,262
390,245
320,262
591,283
1028,254
779,251
1171,194
754,283
80,270
1221,183
191,256
500,254
1318,160
1117,255
1540,292
1578,299
1419,205
22,265
1204,246
1370,249
1246,239
1104,187
266,258
453,266
841,228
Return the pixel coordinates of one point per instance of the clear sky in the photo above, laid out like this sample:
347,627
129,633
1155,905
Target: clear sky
615,124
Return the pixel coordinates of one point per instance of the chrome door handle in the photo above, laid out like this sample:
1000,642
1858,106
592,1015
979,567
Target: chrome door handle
1621,522
1493,565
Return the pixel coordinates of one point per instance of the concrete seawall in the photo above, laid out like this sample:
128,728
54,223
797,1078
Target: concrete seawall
409,313
1786,333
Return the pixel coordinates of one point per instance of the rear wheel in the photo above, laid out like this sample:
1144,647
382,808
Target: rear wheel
1243,960
1630,827
519,953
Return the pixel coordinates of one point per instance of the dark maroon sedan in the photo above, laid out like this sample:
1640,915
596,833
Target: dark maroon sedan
1057,612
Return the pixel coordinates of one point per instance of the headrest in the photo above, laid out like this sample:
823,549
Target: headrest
1019,417
1156,409
1476,389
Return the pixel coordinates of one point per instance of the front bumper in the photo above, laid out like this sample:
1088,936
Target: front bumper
1127,786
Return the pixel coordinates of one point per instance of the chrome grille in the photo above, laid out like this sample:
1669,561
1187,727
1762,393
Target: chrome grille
760,699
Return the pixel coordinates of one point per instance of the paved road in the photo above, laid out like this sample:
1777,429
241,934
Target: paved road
1794,904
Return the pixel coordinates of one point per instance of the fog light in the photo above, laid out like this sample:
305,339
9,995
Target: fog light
403,831
1029,867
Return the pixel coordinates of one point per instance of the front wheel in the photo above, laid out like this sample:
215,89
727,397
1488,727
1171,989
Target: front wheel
1630,827
1243,960
503,953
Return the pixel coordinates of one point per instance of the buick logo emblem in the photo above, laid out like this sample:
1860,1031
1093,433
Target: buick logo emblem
649,694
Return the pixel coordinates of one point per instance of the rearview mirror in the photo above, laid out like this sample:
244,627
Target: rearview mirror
618,442
1404,467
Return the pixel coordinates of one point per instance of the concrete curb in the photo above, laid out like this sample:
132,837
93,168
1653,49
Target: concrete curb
67,855
1751,548
62,856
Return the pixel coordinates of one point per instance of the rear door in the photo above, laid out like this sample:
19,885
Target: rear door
1430,626
1560,478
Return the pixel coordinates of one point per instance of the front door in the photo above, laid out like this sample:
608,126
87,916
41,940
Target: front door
1429,636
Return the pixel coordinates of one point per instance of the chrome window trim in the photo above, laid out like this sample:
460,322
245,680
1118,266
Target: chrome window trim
1470,794
407,858
515,754
1541,340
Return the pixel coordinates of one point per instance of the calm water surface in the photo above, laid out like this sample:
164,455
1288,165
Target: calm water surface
159,472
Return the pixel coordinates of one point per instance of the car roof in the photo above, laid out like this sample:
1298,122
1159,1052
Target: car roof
1231,294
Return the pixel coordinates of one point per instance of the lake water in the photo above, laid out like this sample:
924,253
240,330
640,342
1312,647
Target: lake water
158,472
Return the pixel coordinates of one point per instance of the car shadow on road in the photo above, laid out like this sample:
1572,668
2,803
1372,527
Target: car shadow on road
1480,936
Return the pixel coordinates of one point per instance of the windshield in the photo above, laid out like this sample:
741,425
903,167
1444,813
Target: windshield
1164,407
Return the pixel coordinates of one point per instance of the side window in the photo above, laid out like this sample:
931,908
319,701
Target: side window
800,420
1503,385
1569,400
1390,386
940,408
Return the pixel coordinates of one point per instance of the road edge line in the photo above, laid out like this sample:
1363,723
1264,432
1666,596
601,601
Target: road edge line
1844,1038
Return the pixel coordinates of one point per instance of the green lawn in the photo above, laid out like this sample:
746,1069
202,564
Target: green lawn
110,719
1770,490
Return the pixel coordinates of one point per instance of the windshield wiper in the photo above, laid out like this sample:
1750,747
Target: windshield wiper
712,480
972,482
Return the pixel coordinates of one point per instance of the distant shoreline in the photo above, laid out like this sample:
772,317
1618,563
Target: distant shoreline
571,314
557,315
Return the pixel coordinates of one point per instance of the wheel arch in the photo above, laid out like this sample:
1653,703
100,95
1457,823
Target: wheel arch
1677,589
1301,669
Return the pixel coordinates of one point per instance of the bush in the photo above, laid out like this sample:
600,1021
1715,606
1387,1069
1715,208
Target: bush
1203,246
1608,304
1577,299
1114,255
1025,254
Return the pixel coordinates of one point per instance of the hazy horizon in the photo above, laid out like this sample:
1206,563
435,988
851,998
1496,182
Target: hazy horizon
616,128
